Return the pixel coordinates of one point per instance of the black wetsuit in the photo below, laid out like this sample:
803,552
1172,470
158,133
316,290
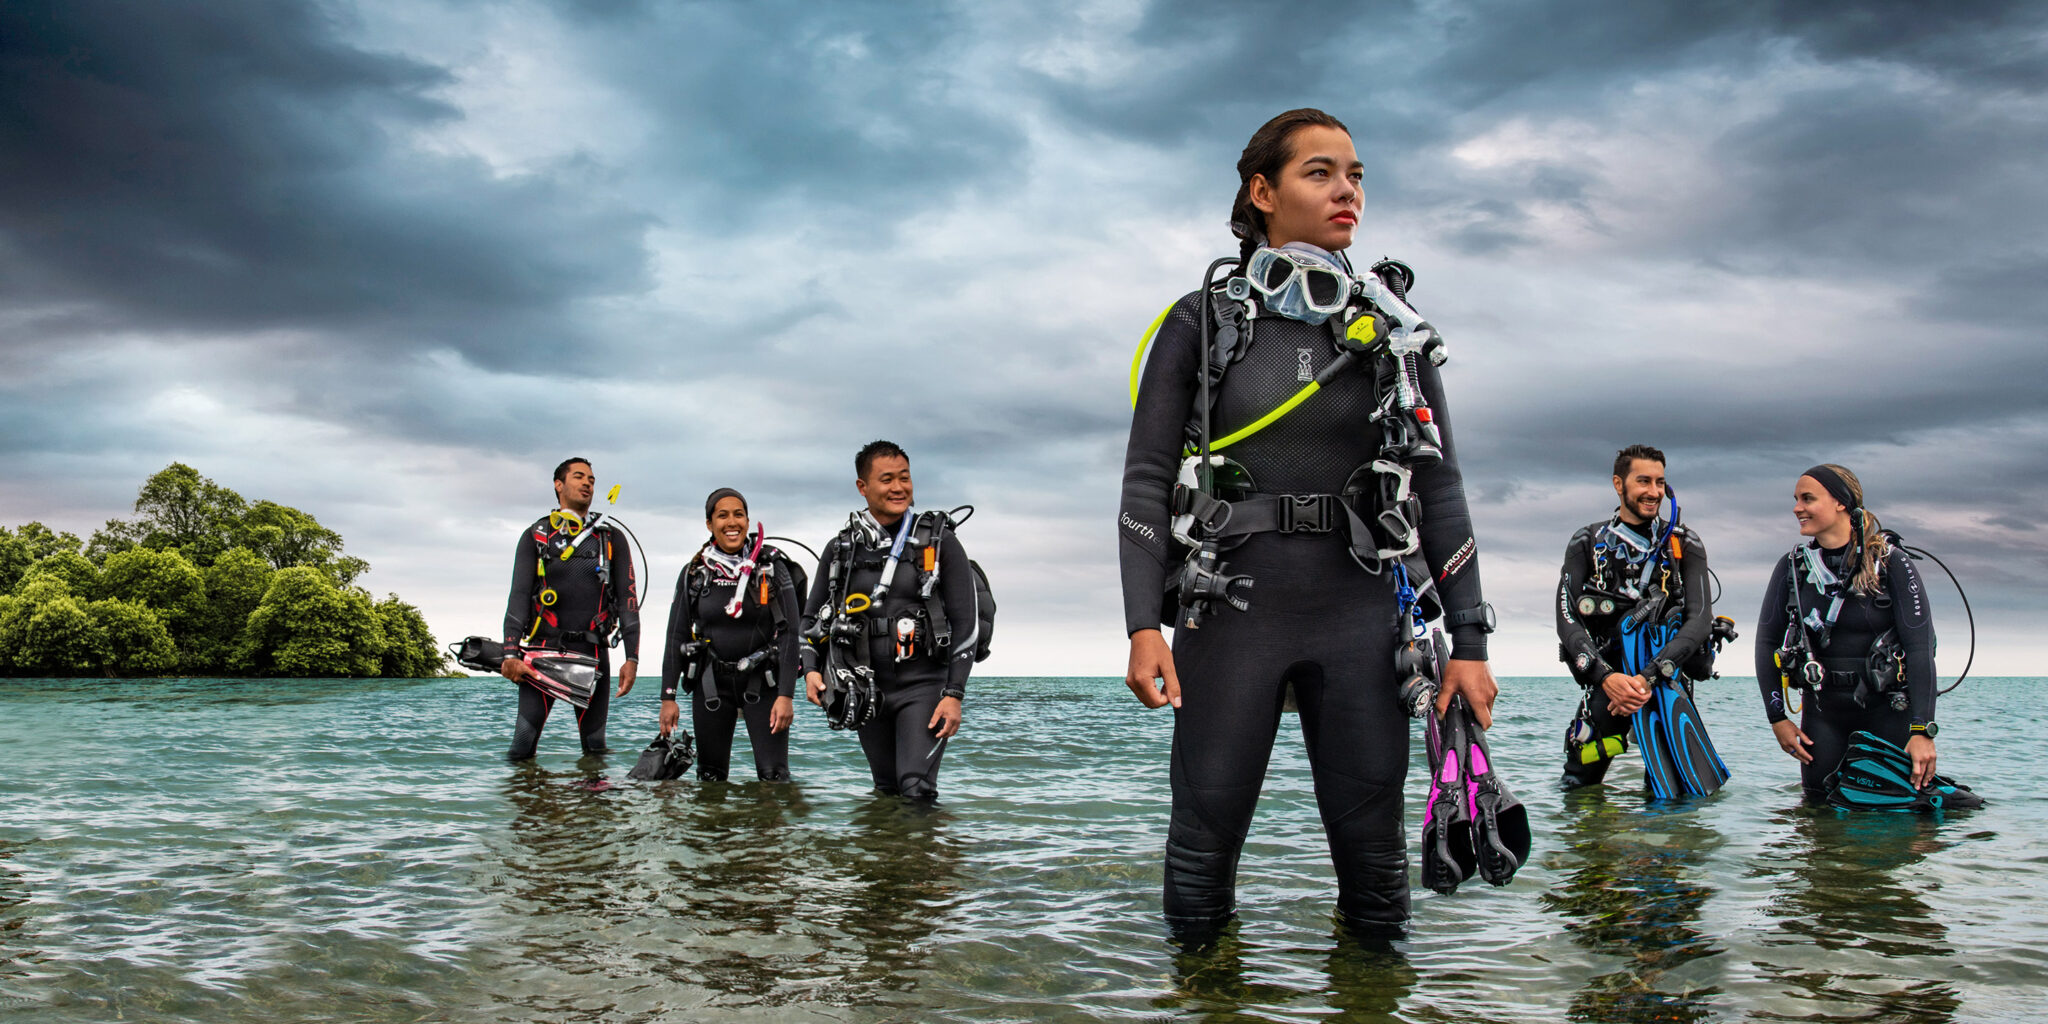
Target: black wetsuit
699,614
1595,639
1833,712
1317,621
902,753
582,601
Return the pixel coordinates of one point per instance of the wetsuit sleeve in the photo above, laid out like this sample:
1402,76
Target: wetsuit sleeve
788,659
810,657
1166,398
626,594
1770,632
673,640
1572,633
963,612
519,606
1698,625
1913,620
1447,540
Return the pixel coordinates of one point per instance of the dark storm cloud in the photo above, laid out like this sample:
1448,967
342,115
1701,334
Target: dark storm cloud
788,115
238,166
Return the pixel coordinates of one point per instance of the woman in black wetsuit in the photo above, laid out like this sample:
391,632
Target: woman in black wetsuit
732,642
1327,614
1866,626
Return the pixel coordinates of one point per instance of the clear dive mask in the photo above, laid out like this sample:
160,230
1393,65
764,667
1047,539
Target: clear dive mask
1298,283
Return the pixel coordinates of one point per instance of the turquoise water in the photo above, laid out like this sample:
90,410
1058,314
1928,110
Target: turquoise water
225,851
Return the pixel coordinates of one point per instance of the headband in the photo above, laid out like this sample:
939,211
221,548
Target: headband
711,503
1835,486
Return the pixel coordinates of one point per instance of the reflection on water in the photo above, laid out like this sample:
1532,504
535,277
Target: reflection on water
1361,981
1635,892
202,852
730,899
1843,887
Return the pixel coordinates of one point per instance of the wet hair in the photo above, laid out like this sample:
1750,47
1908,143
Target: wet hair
562,471
875,450
1266,155
1866,532
1625,459
711,503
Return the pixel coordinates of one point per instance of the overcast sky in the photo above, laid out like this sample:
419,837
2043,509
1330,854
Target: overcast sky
390,262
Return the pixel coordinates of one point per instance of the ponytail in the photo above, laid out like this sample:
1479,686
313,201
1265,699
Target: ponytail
1866,533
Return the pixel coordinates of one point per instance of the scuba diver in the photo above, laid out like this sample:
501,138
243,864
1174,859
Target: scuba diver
1635,623
1343,503
893,625
732,642
573,589
1846,641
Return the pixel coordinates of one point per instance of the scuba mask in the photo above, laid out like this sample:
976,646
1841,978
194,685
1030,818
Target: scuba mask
1299,281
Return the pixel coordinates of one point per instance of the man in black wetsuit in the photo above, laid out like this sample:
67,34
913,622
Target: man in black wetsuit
921,680
575,605
1601,581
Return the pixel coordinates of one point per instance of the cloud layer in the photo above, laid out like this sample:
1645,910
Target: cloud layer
389,263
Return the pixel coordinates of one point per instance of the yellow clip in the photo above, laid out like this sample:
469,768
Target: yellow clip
612,496
548,598
865,604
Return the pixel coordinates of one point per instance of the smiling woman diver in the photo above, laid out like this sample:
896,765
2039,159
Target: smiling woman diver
1847,635
1343,501
732,643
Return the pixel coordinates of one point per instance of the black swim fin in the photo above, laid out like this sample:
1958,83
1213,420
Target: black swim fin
1876,775
668,757
1500,824
1448,857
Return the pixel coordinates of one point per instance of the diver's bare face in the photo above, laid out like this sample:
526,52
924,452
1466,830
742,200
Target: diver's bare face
573,491
1641,491
887,487
1817,511
1318,197
728,524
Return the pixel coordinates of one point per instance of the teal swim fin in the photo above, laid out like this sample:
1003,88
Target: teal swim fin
1700,770
1875,775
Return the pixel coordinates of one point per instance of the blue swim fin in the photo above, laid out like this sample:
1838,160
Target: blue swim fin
1652,739
1700,770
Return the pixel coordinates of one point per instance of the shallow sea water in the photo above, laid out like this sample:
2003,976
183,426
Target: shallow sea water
195,850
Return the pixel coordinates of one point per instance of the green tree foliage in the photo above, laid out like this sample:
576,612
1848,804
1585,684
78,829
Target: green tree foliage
15,558
306,626
43,542
178,508
133,640
47,631
200,581
410,652
286,537
170,586
80,577
235,584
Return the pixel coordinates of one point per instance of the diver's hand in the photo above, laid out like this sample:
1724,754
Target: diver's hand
945,718
1922,750
671,716
627,673
814,688
1794,742
1474,679
1151,662
783,713
516,669
1625,693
